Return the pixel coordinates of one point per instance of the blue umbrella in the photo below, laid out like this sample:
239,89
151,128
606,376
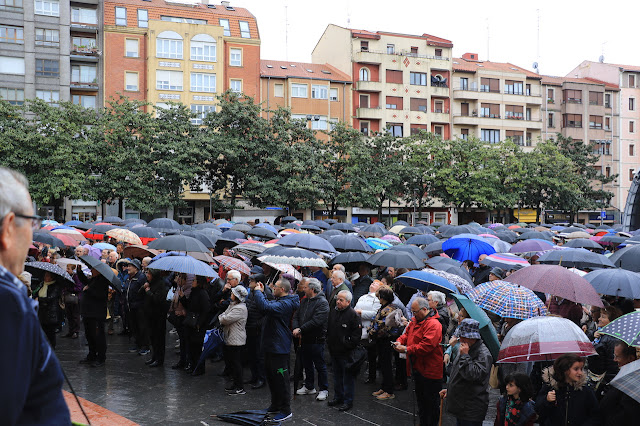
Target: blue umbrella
103,246
378,244
268,226
422,239
469,247
175,262
213,339
625,328
615,282
425,281
73,222
232,235
61,227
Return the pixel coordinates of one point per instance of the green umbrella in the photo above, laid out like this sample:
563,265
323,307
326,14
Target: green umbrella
487,331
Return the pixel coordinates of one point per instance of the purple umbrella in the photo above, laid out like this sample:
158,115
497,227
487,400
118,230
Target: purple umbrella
532,245
93,251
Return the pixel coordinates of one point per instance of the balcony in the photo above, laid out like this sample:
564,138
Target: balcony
84,53
83,27
367,57
466,120
440,116
369,86
465,92
573,125
440,91
369,113
91,86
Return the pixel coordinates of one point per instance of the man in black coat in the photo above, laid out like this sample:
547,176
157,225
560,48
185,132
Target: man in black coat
343,335
617,407
93,309
361,285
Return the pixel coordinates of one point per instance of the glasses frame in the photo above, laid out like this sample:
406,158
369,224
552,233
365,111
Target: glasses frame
36,221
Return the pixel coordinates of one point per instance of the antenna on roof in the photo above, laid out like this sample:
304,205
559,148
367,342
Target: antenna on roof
601,58
535,64
348,14
286,31
488,38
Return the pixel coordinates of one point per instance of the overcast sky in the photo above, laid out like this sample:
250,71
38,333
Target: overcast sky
570,31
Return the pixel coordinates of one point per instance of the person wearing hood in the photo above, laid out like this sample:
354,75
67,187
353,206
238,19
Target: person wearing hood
310,326
234,321
276,344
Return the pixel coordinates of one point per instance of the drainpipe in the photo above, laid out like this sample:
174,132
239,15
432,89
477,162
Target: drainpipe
268,84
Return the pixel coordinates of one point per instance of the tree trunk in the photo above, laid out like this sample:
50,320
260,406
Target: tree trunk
121,208
233,199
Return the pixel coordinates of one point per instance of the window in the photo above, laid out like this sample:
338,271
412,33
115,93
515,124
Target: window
235,57
46,37
513,87
595,122
417,128
391,49
607,171
490,135
490,110
10,4
418,78
550,96
632,126
332,123
550,120
490,85
607,100
394,102
131,48
513,112
438,53
13,96
236,85
602,147
414,51
121,16
333,94
244,29
516,136
572,120
320,124
464,109
438,106
632,150
87,101
84,16
201,112
278,90
363,75
417,104
298,90
319,92
143,18
364,128
11,65
11,34
464,134
632,80
632,173
203,48
395,129
364,46
181,20
131,81
528,90
572,96
201,82
529,139
224,23
83,44
47,68
632,104
168,80
47,7
51,97
83,74
607,123
595,98
364,101
527,115
438,130
169,45
464,83
394,76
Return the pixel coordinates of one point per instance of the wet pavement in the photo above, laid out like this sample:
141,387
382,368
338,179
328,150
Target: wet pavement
162,396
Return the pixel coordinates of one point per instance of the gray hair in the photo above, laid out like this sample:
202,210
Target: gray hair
339,266
437,296
146,259
339,274
422,302
314,284
347,295
285,284
14,193
234,274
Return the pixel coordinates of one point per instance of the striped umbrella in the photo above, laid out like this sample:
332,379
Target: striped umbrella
229,263
505,261
124,235
507,300
183,264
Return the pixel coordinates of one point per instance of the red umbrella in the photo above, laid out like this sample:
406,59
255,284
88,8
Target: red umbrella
229,263
558,281
66,239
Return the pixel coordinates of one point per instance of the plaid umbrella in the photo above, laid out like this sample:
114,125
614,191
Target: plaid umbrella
628,380
461,284
507,300
625,328
505,261
229,263
558,281
124,235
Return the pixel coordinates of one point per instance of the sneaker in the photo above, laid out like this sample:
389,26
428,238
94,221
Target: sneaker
304,391
238,392
173,331
383,396
281,417
133,349
378,392
144,352
322,395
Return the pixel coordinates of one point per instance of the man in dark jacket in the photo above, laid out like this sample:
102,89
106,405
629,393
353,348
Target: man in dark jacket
135,302
276,344
310,325
337,285
467,395
361,285
255,319
344,332
617,407
94,315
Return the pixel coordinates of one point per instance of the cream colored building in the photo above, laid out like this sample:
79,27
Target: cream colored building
495,101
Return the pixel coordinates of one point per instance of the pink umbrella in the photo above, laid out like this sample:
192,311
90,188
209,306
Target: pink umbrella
229,263
488,235
391,238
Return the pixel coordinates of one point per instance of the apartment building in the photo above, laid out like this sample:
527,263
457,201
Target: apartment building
400,81
52,50
495,101
318,93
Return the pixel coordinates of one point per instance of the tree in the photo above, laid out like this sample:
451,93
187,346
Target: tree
420,169
507,179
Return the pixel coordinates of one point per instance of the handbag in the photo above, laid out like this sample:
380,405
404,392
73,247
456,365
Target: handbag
175,320
191,320
355,360
70,299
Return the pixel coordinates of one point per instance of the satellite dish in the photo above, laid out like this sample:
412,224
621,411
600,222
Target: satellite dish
535,65
601,59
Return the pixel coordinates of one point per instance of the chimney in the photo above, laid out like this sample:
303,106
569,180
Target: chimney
225,3
470,57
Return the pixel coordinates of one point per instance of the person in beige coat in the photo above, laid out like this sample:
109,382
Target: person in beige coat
234,321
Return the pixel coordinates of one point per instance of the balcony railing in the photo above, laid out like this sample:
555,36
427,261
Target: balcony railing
489,115
406,53
573,124
487,90
572,101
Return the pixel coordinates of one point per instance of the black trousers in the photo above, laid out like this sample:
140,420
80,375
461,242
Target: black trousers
184,347
94,332
401,369
72,312
427,394
233,361
195,339
385,360
372,358
277,369
50,332
255,356
138,326
158,328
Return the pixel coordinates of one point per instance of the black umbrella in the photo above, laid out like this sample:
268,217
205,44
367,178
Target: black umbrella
507,236
437,224
341,226
576,258
104,270
627,258
232,235
411,249
330,233
422,239
457,230
434,248
571,229
179,243
307,241
206,225
612,240
322,224
37,269
134,221
400,222
310,227
372,231
288,219
441,260
331,221
113,219
583,243
396,259
534,234
164,223
350,257
426,229
145,232
411,230
262,233
208,241
46,238
344,242
83,226
242,227
457,270
291,225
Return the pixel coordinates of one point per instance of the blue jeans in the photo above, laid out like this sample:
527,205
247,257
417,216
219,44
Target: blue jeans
344,383
313,355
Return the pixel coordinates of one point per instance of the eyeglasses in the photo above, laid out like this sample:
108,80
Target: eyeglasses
36,221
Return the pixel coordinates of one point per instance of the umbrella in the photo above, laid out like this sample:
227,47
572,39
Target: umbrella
461,284
124,235
146,234
378,244
426,281
507,236
612,240
341,226
582,243
293,256
229,263
48,239
628,380
38,270
457,230
267,226
350,257
105,246
422,239
433,248
242,227
627,258
615,282
287,219
209,240
104,270
138,251
307,241
349,243
134,220
391,238
73,222
178,243
286,269
505,261
322,224
558,281
437,224
372,231
507,300
262,233
97,232
487,330
411,249
212,340
310,227
569,229
250,249
396,259
544,339
247,418
183,264
441,260
498,245
529,246
576,258
530,235
68,240
625,328
232,235
164,223
411,230
467,248
63,262
577,234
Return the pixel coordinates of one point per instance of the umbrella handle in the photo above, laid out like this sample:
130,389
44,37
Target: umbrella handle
441,407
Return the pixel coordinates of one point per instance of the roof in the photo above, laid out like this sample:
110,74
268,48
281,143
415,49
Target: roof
430,39
463,65
288,69
550,80
632,68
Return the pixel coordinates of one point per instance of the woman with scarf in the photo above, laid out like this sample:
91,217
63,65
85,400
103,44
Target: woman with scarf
49,311
177,312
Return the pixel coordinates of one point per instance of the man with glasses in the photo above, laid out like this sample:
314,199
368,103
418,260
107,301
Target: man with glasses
421,343
31,391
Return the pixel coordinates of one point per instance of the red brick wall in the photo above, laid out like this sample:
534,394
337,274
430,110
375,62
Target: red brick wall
249,72
116,64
